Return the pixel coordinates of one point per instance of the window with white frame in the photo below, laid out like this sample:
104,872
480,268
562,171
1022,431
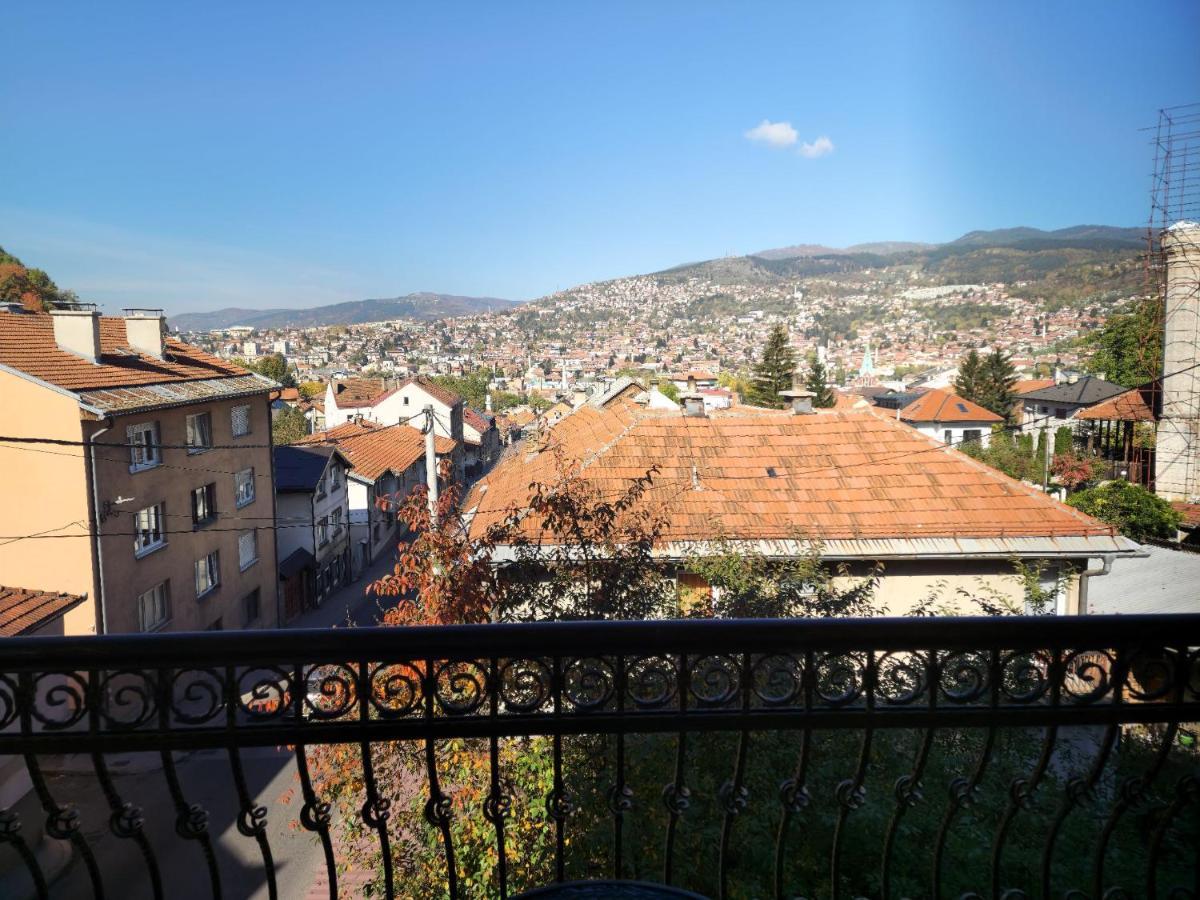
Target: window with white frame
149,531
240,417
321,486
243,487
154,608
199,433
322,531
247,549
204,504
335,520
144,449
208,573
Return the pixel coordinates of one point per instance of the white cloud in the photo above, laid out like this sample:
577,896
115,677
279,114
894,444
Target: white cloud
774,134
822,146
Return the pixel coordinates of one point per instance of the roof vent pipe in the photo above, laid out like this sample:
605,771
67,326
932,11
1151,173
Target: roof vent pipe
693,400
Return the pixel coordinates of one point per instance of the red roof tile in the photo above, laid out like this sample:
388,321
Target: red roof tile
775,476
27,344
937,405
375,449
24,610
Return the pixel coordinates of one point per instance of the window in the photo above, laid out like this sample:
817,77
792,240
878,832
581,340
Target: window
335,520
204,504
199,433
208,573
334,476
321,487
1062,413
250,605
247,549
243,487
406,401
322,531
240,417
154,608
149,533
972,436
144,450
948,436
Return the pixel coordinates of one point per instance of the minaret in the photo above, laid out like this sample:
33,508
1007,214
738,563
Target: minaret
1177,454
868,366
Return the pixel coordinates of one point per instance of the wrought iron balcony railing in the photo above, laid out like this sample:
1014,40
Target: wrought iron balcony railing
1015,757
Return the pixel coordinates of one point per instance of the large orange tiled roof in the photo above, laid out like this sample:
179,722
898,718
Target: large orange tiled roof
355,392
376,449
27,344
835,475
937,405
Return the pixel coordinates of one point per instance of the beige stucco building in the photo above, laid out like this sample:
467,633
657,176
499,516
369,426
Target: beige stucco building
137,473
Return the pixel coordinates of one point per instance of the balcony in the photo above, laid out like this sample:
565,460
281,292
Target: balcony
1013,757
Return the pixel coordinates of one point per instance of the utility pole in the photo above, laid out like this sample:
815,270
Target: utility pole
431,473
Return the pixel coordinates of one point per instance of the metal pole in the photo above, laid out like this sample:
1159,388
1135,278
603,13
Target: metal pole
1046,463
431,473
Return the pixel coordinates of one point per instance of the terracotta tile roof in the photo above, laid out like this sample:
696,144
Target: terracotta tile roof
1135,405
845,475
375,449
476,419
937,405
1032,384
24,610
360,392
27,344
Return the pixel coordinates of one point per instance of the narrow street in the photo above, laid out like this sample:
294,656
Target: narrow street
352,605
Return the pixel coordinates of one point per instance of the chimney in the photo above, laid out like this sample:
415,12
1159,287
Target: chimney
802,400
78,331
693,400
144,331
1073,378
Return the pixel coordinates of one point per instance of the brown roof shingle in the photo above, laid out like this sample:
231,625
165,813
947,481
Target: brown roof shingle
843,475
936,405
376,449
24,610
27,344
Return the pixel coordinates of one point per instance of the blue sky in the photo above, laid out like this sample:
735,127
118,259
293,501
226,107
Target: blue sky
259,154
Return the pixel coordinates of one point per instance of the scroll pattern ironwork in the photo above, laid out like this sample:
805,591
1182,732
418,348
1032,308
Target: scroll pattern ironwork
1029,726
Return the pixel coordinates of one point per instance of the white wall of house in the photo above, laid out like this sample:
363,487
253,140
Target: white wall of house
292,510
956,432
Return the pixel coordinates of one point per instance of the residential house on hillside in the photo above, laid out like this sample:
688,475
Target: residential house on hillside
481,442
858,486
1055,406
25,612
388,462
949,418
312,498
160,493
391,402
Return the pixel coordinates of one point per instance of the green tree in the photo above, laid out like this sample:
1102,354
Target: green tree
774,371
1138,513
968,383
473,388
817,381
276,368
288,425
997,379
1064,440
1128,349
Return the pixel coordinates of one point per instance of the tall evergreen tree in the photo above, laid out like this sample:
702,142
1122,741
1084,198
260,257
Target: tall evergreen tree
773,372
998,377
968,382
816,381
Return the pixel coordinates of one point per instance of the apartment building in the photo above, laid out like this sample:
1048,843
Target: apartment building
313,499
138,475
